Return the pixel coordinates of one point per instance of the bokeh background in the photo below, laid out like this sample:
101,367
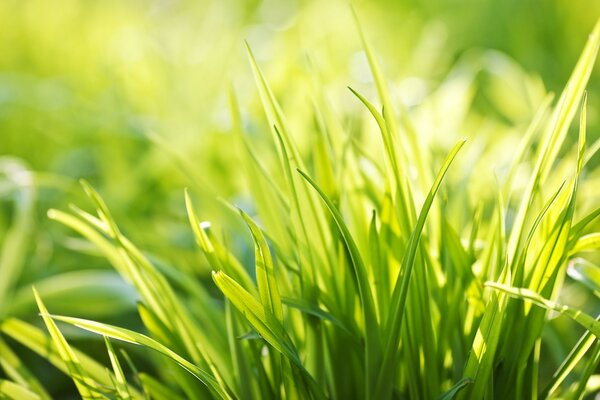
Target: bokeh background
133,97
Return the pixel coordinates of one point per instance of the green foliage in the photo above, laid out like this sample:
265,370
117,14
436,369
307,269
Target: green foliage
388,262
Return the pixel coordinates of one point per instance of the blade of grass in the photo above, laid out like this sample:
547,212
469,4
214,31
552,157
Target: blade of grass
386,370
373,351
130,336
585,320
120,381
76,371
18,372
12,390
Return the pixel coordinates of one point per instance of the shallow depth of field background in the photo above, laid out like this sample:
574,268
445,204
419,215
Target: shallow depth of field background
132,96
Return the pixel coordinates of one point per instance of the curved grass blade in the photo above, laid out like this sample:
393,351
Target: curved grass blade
457,387
208,247
590,242
311,309
561,120
373,350
265,272
120,382
590,368
130,336
263,320
265,323
79,375
571,361
398,301
35,340
585,320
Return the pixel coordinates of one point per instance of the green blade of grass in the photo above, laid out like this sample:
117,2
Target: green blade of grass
585,320
266,324
14,391
561,120
393,325
120,381
130,336
590,242
34,339
373,351
569,363
457,387
314,310
394,170
18,372
79,375
590,367
208,247
265,272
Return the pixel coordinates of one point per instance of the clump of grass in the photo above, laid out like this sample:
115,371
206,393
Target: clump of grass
362,285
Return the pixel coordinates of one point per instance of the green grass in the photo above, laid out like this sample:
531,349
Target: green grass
384,266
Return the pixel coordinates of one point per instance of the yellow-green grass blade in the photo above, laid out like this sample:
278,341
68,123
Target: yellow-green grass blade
570,362
158,294
272,109
299,222
590,368
526,142
371,324
314,310
394,169
76,371
208,247
133,337
259,181
409,144
120,382
585,320
13,391
301,199
519,266
560,122
241,359
553,252
91,234
266,324
262,319
590,242
265,272
393,324
18,372
35,340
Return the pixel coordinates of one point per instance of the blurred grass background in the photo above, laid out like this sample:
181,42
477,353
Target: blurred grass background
132,96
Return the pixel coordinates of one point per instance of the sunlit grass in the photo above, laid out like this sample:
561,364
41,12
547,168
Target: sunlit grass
391,259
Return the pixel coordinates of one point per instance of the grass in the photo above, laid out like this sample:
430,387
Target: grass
381,269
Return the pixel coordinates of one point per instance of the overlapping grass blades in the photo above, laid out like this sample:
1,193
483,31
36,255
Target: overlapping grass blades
363,283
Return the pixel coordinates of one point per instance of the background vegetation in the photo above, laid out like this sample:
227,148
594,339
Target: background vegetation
135,97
